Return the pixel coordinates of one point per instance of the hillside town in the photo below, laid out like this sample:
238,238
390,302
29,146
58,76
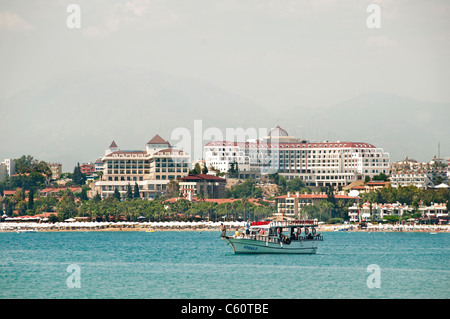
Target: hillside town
275,177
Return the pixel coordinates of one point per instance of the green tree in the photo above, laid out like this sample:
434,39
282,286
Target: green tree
84,194
282,185
129,192
232,170
246,189
66,207
78,177
295,185
28,164
197,169
391,218
327,208
23,164
116,194
97,198
172,189
31,199
332,200
136,191
381,177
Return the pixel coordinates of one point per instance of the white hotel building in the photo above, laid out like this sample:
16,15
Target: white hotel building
317,164
7,168
151,169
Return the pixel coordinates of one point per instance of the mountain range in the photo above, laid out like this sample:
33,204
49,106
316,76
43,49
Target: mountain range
73,118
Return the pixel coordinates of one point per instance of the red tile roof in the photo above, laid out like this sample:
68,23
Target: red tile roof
55,190
11,192
158,140
169,150
282,144
45,215
375,183
127,152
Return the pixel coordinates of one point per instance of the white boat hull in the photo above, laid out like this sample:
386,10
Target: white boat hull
251,246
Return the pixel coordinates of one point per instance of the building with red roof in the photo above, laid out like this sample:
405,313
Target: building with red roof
53,191
316,163
151,169
208,186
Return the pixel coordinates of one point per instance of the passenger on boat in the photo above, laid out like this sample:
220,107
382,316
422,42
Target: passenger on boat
223,228
247,227
236,233
293,234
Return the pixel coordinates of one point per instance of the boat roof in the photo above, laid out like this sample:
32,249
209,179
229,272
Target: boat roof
290,223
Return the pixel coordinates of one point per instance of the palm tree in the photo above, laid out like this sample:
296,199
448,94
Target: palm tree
227,207
327,207
234,206
244,203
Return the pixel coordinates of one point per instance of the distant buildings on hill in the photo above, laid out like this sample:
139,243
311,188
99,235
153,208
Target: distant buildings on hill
7,168
376,212
56,169
422,175
317,164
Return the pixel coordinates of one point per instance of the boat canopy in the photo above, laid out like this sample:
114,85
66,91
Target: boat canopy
290,223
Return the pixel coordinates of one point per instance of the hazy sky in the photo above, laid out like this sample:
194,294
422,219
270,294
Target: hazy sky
274,52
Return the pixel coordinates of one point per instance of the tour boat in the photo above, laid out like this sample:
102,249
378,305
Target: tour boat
277,237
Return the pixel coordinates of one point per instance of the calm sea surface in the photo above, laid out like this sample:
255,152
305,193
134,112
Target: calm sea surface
199,265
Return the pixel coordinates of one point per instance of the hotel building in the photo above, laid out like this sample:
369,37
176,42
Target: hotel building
437,212
208,186
151,169
317,164
56,169
7,168
419,179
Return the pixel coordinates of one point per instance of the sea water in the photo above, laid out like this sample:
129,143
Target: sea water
192,264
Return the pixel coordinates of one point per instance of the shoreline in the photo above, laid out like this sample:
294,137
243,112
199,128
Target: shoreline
35,227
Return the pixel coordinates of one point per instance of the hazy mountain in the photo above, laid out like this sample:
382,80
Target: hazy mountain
75,117
400,125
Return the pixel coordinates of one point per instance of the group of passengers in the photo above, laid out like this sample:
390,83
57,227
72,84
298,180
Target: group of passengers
295,234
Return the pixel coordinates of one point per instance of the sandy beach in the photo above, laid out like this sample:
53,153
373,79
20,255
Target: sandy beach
197,226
